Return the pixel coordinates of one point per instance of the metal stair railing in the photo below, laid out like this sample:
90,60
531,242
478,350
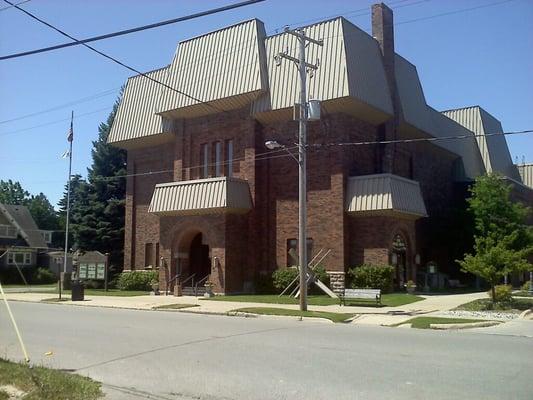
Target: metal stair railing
169,282
190,278
198,284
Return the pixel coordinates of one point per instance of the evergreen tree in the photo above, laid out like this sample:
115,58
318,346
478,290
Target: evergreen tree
75,191
99,211
503,241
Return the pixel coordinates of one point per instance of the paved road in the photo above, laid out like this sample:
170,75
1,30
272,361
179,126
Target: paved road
165,355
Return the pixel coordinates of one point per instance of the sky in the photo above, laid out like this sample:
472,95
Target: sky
482,56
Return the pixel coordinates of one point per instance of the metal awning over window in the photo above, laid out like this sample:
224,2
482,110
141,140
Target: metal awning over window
384,194
202,196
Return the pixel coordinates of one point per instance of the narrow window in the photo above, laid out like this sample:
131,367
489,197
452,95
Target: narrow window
218,159
27,258
204,157
148,255
156,255
229,158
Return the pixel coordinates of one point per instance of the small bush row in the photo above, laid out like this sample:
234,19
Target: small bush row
372,277
136,280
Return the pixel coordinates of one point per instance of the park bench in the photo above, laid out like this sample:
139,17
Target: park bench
366,294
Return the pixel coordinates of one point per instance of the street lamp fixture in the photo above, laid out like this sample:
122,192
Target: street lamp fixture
272,145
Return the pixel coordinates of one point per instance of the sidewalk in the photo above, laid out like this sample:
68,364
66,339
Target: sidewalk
366,315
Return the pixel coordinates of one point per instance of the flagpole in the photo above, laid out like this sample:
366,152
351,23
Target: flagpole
70,139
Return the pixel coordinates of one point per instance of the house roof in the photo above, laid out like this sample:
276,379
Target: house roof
20,217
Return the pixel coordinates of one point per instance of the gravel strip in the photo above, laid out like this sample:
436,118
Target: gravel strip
495,315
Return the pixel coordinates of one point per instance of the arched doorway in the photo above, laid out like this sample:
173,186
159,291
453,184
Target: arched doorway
191,256
199,262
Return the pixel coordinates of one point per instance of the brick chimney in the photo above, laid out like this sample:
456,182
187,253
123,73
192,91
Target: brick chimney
383,32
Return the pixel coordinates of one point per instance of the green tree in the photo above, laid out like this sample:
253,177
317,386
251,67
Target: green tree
100,207
12,193
502,240
75,191
42,212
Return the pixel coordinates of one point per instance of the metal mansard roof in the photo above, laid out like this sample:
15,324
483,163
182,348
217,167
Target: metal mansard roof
384,194
201,196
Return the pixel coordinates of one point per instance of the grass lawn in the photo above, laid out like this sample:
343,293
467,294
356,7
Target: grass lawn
516,305
335,317
424,322
47,384
175,306
387,300
102,292
40,286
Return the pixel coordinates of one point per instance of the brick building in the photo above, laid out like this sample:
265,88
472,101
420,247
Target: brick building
206,196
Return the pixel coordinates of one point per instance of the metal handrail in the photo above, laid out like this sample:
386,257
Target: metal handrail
170,281
190,278
198,284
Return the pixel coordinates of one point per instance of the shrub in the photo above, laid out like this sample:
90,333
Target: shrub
281,278
42,276
372,276
525,286
503,293
136,280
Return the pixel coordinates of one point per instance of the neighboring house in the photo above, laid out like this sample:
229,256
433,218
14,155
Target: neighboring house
206,197
21,237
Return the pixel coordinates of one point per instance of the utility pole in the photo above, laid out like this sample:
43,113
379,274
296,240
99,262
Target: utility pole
302,154
70,139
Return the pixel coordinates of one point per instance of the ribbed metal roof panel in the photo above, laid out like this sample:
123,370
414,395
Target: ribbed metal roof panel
136,116
350,64
384,193
224,64
201,196
526,174
493,149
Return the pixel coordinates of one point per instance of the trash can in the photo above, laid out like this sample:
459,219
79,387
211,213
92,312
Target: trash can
78,291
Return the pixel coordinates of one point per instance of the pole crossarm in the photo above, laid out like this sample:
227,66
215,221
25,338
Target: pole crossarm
300,34
295,60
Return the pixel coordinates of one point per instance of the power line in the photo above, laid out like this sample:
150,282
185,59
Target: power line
64,105
18,4
275,153
127,31
453,12
430,139
203,60
54,122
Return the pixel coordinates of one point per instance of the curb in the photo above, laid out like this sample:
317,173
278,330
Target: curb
526,314
483,324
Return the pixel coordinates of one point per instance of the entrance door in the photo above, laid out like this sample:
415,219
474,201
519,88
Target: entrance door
401,269
199,258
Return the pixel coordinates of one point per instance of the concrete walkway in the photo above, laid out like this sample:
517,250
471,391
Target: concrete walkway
366,315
